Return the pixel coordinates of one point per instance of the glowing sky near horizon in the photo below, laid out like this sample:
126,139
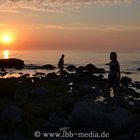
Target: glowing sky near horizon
72,24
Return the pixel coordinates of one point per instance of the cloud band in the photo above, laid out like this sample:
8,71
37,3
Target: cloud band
53,5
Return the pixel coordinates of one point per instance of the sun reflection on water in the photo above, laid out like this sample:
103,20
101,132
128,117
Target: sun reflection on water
6,54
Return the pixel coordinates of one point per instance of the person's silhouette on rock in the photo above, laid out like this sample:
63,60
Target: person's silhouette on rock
61,65
113,76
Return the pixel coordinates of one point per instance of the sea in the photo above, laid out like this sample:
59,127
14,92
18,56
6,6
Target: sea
129,60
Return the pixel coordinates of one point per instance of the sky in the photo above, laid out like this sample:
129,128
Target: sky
71,24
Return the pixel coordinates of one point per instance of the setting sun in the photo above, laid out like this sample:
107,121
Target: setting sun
6,38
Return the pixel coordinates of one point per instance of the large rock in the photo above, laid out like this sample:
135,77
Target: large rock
13,114
126,81
58,118
17,135
80,68
128,92
41,91
136,107
136,85
8,87
90,116
71,68
12,63
48,66
93,69
100,70
51,75
53,121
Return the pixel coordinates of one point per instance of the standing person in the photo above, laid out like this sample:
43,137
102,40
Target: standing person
61,64
114,75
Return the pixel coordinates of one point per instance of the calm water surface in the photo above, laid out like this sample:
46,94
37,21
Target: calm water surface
129,60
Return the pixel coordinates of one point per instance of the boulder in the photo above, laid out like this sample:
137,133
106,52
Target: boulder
42,91
25,75
40,74
125,81
58,118
83,77
136,85
136,107
89,116
8,87
12,63
17,135
81,68
128,91
48,67
85,89
71,68
53,121
100,70
127,72
51,75
91,68
13,114
46,126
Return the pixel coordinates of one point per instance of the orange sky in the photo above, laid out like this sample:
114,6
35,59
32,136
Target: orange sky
69,25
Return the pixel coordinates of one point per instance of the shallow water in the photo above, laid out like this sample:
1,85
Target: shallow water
129,60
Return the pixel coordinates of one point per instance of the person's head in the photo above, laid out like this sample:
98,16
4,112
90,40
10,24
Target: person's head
62,56
113,56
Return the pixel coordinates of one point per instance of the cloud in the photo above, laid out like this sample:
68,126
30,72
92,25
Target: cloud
53,5
122,27
3,25
86,27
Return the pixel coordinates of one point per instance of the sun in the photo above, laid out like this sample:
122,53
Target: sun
6,38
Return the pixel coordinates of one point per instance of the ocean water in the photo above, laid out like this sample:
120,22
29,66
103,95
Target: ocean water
129,60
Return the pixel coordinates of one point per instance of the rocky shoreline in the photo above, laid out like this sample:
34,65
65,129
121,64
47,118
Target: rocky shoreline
74,103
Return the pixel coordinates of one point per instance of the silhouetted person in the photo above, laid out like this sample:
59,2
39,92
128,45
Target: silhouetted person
61,64
114,75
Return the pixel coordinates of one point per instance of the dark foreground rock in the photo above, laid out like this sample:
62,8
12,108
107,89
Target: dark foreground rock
8,87
89,116
126,81
12,63
128,92
55,120
45,103
40,91
136,85
13,114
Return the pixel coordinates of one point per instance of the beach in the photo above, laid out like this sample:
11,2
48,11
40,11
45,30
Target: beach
70,69
36,99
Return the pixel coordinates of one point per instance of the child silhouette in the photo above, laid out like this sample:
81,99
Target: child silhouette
61,65
114,75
